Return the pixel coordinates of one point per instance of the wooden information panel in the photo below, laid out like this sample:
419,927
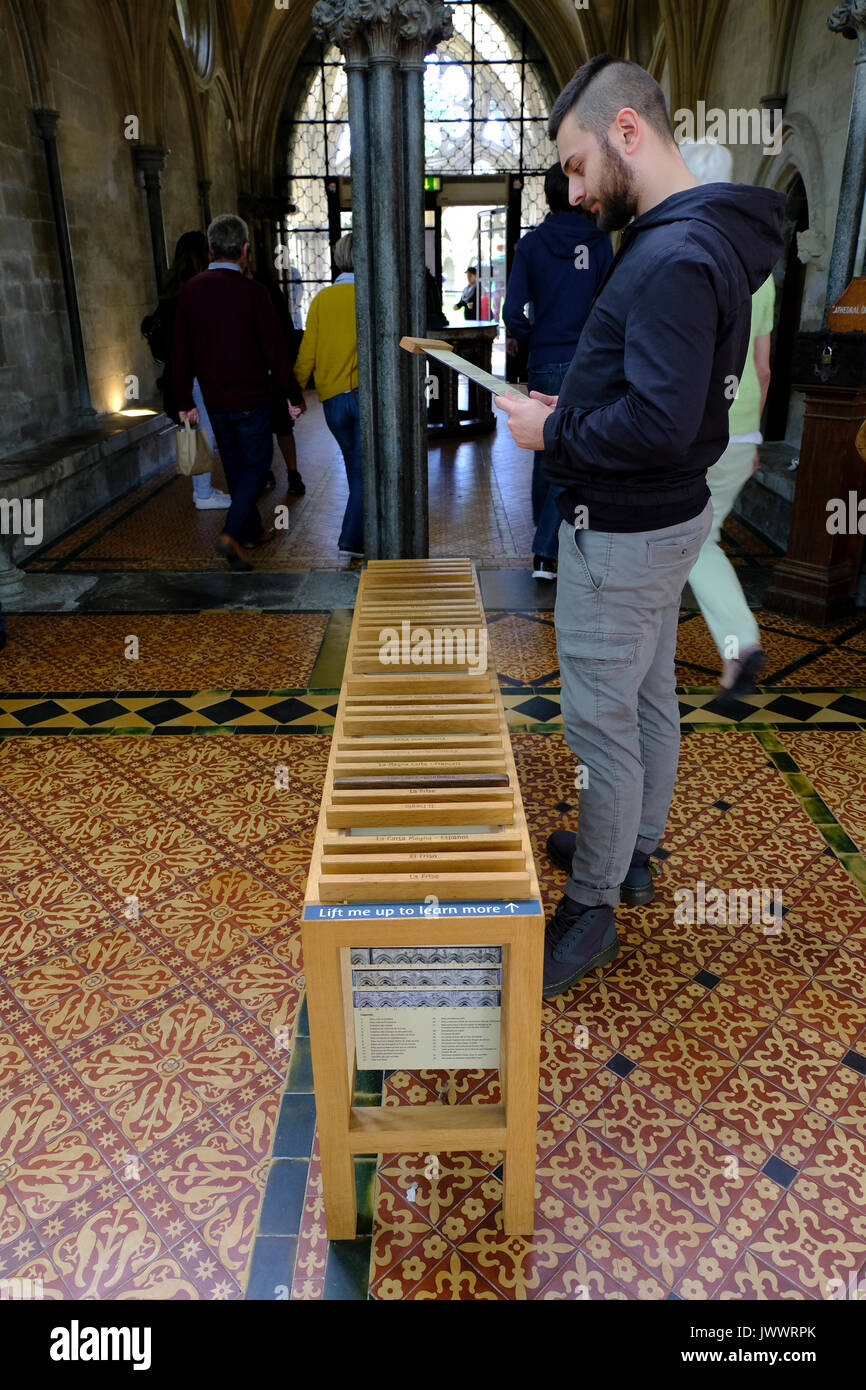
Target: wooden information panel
421,842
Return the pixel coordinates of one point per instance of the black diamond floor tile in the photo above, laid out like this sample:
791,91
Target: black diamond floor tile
847,704
779,1171
856,1061
620,1065
707,979
286,711
538,708
99,714
736,711
226,711
37,714
162,712
791,709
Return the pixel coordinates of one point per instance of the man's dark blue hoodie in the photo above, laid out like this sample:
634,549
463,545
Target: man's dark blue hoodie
643,410
557,270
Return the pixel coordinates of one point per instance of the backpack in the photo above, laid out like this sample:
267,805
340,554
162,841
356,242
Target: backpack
155,330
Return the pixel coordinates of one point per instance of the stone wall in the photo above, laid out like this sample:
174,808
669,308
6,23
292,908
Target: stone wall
107,216
37,382
224,181
180,178
108,224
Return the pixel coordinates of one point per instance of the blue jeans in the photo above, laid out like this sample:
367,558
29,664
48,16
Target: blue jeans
545,513
246,447
343,417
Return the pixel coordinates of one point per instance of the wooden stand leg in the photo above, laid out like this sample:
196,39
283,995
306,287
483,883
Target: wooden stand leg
329,1048
521,1045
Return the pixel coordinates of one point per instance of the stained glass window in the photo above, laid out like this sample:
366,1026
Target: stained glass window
487,93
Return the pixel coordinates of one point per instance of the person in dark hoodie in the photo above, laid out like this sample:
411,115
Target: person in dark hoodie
641,416
556,272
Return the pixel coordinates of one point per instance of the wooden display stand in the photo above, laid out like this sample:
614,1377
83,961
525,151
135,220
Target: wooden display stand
417,746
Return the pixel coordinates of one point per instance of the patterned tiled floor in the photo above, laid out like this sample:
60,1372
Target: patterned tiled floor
150,982
702,1115
703,1137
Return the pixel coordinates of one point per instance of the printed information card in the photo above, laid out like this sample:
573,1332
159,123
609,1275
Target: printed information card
415,1038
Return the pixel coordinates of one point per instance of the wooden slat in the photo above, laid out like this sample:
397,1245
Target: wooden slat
389,888
419,813
422,782
410,860
427,1128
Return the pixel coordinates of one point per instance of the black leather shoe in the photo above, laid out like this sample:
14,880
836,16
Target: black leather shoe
577,939
637,887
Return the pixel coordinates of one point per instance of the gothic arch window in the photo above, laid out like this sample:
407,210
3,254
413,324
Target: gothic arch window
196,21
487,94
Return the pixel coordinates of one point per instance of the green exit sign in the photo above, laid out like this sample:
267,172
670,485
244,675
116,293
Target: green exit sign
432,183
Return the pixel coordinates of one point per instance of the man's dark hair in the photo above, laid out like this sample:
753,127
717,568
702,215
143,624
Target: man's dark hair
601,88
556,189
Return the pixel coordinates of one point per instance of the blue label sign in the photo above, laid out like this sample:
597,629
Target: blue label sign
393,912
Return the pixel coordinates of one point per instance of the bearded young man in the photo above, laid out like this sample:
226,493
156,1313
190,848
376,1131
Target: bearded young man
641,416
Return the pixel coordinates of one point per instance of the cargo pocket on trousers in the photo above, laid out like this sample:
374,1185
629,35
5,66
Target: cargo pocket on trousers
608,651
674,552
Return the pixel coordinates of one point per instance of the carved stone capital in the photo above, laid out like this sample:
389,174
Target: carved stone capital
149,162
337,21
849,20
402,30
812,247
44,122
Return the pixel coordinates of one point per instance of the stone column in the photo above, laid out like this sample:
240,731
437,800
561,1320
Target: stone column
850,21
384,43
45,126
204,186
149,161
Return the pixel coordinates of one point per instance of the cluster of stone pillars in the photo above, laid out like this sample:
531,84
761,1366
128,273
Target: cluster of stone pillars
384,43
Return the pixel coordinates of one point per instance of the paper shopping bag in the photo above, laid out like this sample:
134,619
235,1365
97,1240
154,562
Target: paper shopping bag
193,451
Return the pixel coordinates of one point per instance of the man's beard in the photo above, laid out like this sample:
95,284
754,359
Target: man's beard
617,195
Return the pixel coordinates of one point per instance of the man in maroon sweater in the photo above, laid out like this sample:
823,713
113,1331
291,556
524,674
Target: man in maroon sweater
227,334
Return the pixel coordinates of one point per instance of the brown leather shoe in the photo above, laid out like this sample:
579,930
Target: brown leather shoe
228,547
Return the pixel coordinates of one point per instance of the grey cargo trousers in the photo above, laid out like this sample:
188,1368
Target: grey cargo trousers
617,609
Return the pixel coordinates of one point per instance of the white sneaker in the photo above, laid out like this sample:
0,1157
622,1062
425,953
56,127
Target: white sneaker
212,500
